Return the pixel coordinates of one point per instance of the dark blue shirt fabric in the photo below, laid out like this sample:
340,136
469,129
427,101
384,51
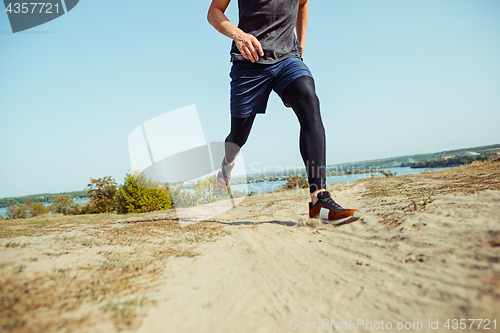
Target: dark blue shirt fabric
272,22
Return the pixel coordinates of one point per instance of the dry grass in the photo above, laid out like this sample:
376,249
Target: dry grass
397,197
59,273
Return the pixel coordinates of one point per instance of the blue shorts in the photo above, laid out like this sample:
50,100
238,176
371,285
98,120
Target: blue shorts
251,83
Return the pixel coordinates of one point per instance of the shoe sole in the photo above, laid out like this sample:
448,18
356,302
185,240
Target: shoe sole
217,180
219,176
352,218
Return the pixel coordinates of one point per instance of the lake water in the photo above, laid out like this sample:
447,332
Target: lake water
276,185
3,210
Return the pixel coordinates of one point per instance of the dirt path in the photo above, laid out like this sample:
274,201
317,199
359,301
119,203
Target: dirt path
426,249
439,264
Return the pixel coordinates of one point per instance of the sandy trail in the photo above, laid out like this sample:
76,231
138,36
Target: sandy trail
437,265
426,249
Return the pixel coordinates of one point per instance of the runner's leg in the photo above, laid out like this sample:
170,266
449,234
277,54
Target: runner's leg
240,130
301,95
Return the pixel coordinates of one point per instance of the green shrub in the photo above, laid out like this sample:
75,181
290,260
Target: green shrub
140,195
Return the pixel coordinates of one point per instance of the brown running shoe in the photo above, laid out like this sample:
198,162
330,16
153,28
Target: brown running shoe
331,212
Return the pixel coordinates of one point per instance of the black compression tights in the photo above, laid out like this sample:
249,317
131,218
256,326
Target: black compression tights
301,95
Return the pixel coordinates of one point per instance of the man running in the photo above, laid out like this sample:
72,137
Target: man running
267,55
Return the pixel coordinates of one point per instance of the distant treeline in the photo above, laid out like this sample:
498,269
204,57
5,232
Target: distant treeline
446,162
45,197
406,161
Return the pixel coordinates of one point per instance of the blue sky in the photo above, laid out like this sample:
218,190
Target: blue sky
393,77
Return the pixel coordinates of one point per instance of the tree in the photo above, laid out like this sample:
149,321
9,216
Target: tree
102,193
36,209
181,197
19,211
61,204
139,195
208,191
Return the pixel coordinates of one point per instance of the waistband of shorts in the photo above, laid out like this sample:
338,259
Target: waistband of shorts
248,63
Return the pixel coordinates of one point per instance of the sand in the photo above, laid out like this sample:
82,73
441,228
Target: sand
426,250
437,265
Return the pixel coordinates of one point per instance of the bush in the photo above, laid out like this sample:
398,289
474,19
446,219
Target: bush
207,191
61,204
182,198
140,195
36,209
78,209
204,191
388,173
296,181
17,211
29,209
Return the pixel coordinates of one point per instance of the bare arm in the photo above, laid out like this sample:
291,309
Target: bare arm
248,45
301,26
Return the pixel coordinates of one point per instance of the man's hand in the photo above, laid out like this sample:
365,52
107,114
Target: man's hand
249,46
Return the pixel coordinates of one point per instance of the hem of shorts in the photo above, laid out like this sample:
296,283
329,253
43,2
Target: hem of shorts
280,93
243,116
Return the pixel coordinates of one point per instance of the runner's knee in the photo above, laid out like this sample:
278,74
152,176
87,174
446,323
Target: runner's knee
237,140
307,110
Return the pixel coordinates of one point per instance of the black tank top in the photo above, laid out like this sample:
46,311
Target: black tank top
272,22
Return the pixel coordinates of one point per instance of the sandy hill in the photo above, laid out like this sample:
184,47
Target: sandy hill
425,252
